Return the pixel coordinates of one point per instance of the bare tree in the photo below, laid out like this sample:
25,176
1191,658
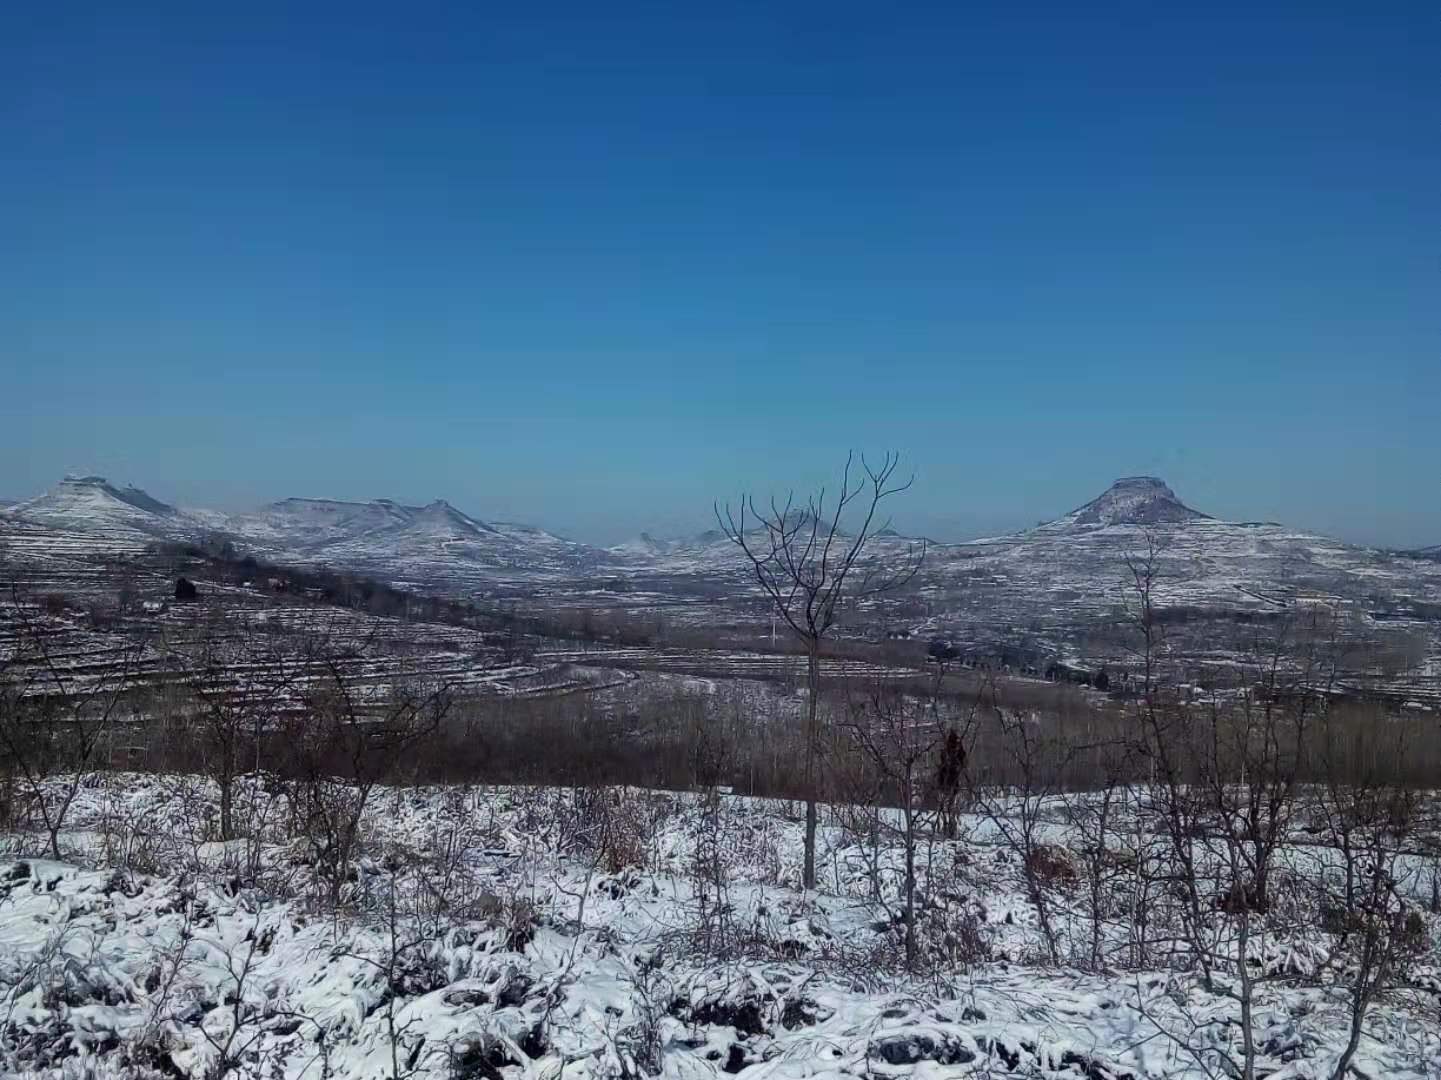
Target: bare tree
901,738
54,721
239,689
808,564
407,942
1012,788
351,738
1369,824
1165,734
1225,786
1094,817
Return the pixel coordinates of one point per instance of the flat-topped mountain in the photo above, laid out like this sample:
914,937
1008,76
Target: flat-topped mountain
94,504
1132,500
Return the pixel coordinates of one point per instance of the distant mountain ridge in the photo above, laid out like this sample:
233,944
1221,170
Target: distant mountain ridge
1131,500
312,522
438,546
1059,590
93,503
416,544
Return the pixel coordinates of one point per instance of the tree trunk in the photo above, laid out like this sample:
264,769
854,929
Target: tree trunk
227,800
1247,994
813,738
910,877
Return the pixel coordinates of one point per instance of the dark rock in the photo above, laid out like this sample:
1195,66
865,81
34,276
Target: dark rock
910,1049
469,996
515,991
799,1013
737,1059
906,1049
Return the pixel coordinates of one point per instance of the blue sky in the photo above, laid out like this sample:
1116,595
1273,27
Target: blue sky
592,266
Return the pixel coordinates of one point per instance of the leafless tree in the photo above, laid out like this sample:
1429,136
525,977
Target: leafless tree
1165,734
1368,824
407,944
1096,817
350,738
238,682
1012,785
900,739
810,559
54,722
1226,782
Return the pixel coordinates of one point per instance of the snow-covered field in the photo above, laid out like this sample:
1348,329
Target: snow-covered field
534,934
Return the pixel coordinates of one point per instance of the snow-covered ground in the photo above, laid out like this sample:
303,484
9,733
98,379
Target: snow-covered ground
535,934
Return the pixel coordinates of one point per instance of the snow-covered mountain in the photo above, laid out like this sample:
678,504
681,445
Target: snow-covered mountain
93,505
304,524
430,546
1060,591
1072,569
1205,560
1131,500
1065,573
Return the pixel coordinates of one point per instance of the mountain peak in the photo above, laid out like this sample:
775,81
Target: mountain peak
1134,500
92,504
439,514
98,485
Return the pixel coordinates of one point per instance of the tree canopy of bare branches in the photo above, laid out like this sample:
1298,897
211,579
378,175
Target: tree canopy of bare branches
808,564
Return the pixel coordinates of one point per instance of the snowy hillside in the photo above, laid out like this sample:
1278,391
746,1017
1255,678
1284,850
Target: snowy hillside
91,504
301,524
1074,568
487,934
430,546
1053,591
1131,500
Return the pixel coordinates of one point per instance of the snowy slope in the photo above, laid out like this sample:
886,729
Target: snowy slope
1077,562
430,546
91,504
1131,500
433,546
515,954
1049,587
300,524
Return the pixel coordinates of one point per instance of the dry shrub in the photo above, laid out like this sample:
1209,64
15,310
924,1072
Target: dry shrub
1051,866
612,825
956,935
623,843
515,914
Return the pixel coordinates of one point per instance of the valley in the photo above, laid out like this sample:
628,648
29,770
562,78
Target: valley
1058,600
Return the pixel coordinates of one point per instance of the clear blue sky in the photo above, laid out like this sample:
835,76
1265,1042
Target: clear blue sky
593,265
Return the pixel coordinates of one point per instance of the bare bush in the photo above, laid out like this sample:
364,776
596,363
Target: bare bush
348,741
900,739
238,683
54,720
